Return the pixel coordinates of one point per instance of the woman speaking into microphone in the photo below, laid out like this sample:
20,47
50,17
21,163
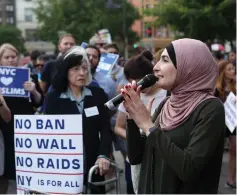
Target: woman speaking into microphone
182,149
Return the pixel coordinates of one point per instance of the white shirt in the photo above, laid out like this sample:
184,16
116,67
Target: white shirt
159,96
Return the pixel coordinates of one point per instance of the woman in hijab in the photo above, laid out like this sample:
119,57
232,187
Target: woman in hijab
183,147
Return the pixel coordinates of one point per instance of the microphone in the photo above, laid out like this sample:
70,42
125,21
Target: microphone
145,82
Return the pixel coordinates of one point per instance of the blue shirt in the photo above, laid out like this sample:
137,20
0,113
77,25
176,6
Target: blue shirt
80,102
117,75
106,83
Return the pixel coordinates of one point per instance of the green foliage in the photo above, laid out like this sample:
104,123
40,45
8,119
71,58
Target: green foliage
200,19
82,18
12,35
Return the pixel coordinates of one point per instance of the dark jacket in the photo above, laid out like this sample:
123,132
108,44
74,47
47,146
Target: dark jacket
97,134
184,160
18,106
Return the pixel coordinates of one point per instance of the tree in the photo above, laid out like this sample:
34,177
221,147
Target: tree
82,18
12,35
200,19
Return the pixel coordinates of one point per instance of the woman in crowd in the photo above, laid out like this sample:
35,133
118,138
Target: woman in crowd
71,95
135,69
17,105
225,84
183,147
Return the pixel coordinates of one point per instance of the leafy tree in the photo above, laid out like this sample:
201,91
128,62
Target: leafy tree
83,18
12,35
200,19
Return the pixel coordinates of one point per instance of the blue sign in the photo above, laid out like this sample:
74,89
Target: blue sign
12,80
107,61
84,45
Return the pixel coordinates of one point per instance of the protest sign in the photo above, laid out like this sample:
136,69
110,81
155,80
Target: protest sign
49,153
84,45
12,80
107,61
105,36
230,112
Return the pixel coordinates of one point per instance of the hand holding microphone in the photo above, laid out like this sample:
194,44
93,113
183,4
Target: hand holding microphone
136,108
145,82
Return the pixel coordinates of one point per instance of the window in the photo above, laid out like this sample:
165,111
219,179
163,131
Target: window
30,35
28,14
148,6
9,8
10,20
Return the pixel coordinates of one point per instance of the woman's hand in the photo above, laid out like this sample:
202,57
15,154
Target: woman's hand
135,107
29,86
104,165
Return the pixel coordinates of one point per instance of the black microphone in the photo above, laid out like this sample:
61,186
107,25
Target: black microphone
145,82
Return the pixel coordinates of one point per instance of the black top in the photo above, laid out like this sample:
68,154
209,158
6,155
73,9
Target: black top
17,106
97,134
49,71
185,160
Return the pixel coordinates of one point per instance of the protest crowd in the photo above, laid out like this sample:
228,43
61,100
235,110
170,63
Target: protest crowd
171,134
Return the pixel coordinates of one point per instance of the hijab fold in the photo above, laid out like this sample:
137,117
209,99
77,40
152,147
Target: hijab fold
195,82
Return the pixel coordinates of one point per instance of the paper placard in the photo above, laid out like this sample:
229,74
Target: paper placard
12,80
49,153
230,112
107,61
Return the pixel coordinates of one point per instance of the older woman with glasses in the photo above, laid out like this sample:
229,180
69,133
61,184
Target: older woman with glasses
73,96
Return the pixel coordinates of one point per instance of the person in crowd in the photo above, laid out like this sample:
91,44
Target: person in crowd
74,96
116,72
104,82
40,65
218,56
65,43
225,84
17,105
183,145
97,41
25,59
32,65
5,115
135,69
232,57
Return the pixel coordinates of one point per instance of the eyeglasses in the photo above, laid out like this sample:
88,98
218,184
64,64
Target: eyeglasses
39,65
80,68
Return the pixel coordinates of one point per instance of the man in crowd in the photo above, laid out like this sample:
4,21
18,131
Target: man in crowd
33,57
65,43
104,82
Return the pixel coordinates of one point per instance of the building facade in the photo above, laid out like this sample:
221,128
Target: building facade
7,12
25,19
151,36
27,22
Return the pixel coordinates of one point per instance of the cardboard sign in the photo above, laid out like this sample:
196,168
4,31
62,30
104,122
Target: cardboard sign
49,153
230,112
107,61
12,80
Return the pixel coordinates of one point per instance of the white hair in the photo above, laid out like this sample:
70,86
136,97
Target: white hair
80,51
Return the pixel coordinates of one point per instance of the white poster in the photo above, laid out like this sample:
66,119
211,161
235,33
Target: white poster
49,153
230,112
